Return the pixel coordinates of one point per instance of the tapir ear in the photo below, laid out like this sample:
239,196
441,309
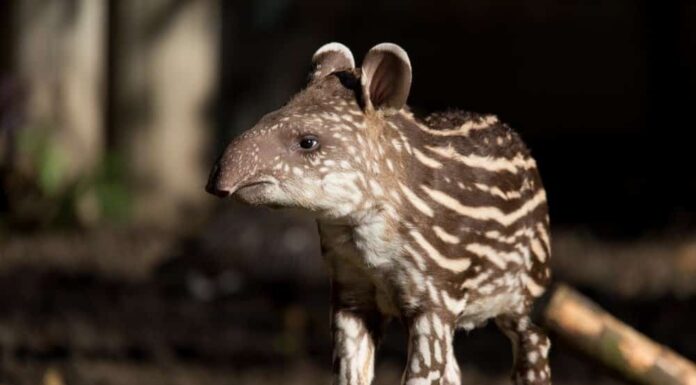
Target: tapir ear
330,58
386,78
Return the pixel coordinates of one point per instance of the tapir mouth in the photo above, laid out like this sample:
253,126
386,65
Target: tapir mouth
253,192
222,191
251,184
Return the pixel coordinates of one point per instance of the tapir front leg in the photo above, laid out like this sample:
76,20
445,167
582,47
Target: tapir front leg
355,339
356,323
430,352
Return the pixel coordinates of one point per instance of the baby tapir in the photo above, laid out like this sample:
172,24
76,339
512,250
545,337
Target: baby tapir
440,222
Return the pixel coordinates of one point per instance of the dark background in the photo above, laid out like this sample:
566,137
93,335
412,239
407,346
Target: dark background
115,274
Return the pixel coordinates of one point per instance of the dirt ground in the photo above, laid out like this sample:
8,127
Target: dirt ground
244,300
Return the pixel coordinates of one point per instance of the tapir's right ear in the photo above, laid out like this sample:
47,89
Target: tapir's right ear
330,58
386,78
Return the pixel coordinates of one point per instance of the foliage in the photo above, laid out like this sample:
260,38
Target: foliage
42,192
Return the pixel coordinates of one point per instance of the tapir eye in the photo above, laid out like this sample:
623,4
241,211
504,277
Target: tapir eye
309,143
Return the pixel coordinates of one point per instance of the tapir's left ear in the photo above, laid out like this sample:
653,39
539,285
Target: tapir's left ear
386,78
330,58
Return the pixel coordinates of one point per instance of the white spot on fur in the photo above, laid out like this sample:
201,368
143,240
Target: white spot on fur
437,326
445,236
455,306
423,325
485,162
416,256
427,161
424,349
437,351
376,188
486,212
465,128
455,265
534,288
537,249
417,202
531,376
497,257
432,292
396,145
496,191
533,357
415,365
475,282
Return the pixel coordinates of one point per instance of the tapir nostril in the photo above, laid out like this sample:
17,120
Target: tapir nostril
212,186
213,189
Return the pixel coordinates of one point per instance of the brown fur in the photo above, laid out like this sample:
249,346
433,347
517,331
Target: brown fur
440,222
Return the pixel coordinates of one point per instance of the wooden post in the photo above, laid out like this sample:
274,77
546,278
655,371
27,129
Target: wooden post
591,329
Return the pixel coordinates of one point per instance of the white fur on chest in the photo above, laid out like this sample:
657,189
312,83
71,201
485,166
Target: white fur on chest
371,247
376,244
370,244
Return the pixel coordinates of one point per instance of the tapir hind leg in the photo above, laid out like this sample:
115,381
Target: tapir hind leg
530,349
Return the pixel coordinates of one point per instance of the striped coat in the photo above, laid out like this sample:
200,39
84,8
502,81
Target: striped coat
439,222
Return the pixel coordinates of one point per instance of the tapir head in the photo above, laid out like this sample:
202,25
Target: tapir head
327,150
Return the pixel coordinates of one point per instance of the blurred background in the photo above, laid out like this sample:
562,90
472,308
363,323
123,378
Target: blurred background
117,268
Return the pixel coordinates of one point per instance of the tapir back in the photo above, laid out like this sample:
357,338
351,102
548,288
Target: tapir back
478,197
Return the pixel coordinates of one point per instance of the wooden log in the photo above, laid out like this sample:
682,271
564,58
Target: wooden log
591,329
